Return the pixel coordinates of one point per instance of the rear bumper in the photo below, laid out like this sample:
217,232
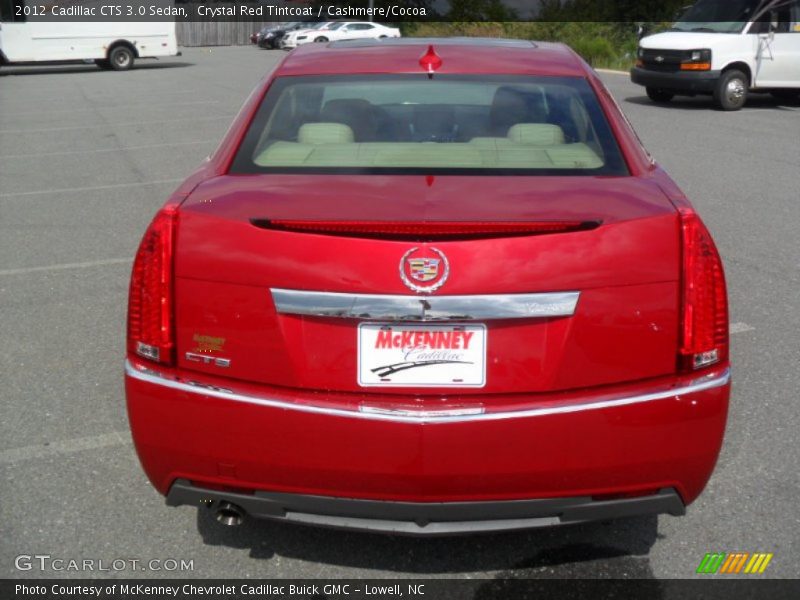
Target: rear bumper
666,436
679,81
426,518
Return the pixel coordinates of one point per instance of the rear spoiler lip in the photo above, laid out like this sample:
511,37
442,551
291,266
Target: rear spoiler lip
425,231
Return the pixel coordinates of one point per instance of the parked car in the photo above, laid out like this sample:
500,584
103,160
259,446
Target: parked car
341,30
316,32
726,50
421,293
256,37
273,35
357,30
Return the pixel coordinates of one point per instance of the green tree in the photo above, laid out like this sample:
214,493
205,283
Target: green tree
480,10
611,10
426,4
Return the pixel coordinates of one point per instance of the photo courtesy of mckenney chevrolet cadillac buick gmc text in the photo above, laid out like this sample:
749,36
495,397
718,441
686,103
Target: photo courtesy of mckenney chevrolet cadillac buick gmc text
429,287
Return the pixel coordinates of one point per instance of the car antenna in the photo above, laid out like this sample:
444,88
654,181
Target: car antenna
430,61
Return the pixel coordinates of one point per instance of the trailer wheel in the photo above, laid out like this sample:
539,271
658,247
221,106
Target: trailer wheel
659,95
121,58
731,90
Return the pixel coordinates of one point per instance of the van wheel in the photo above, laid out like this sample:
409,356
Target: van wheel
659,94
121,58
731,90
103,63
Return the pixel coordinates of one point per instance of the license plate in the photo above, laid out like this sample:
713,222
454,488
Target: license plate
411,355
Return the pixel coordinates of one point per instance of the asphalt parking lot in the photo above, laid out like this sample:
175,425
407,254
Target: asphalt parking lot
87,157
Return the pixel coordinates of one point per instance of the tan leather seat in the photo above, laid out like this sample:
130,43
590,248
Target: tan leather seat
536,134
325,133
356,113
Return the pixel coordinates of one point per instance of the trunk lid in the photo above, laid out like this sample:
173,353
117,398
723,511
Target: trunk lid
626,271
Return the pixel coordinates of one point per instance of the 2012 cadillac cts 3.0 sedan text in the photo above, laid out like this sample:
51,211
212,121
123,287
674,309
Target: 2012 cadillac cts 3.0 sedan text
429,287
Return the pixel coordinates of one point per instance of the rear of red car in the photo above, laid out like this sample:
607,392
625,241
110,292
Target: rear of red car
429,303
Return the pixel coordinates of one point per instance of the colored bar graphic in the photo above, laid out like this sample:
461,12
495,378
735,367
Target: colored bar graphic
729,562
733,563
711,562
741,562
764,564
758,563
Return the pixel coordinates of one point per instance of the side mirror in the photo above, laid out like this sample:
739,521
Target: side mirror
773,21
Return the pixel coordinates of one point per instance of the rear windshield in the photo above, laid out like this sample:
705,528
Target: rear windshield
413,124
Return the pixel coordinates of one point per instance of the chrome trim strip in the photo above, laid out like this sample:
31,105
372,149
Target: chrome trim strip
428,308
416,414
149,376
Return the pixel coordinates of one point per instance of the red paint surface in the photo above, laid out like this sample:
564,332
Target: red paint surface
623,338
666,443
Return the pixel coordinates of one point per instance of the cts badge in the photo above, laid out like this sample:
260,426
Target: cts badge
424,270
208,360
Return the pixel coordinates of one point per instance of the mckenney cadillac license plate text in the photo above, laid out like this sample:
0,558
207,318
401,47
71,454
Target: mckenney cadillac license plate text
421,355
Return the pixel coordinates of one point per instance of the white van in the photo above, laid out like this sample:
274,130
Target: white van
112,45
726,48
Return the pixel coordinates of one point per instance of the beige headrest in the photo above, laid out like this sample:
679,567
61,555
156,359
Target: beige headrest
536,134
325,133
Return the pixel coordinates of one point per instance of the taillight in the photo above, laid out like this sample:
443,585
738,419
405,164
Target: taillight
150,301
704,320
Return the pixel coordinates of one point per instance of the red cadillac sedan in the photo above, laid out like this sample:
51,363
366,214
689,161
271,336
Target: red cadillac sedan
428,287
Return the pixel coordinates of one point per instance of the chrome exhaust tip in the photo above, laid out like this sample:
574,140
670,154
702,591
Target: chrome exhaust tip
229,514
